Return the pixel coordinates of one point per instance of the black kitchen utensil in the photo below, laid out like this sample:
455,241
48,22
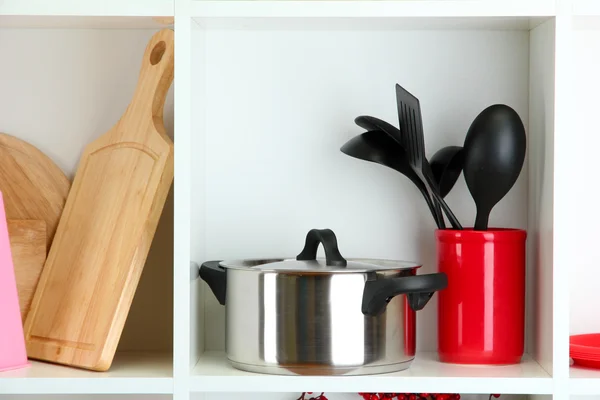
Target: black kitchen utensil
411,127
446,165
372,124
494,154
378,147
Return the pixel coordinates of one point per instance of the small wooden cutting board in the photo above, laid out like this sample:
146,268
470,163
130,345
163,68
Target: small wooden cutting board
33,186
28,248
106,229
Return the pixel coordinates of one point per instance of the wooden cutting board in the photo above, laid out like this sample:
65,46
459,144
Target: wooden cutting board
33,186
108,223
28,248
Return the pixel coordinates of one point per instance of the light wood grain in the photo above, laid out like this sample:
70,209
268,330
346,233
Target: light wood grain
33,186
108,223
28,248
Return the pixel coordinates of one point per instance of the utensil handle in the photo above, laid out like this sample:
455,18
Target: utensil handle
418,288
435,210
453,220
215,276
481,221
156,75
438,216
314,237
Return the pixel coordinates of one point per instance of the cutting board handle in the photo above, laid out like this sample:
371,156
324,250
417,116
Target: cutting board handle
156,76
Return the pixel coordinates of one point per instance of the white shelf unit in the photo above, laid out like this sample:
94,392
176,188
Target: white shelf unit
171,342
275,89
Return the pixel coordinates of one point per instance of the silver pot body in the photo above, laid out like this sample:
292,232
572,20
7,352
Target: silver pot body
308,316
312,324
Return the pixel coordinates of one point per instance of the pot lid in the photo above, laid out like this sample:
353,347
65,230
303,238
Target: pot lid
319,265
307,260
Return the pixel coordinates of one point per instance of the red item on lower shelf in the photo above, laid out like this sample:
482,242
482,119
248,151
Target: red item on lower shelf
585,350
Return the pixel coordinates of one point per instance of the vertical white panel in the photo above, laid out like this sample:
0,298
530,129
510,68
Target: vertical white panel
198,187
568,193
540,200
183,151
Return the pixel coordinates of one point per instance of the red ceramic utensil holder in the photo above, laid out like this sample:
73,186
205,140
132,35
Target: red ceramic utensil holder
481,315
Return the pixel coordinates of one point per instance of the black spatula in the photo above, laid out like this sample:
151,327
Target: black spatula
411,138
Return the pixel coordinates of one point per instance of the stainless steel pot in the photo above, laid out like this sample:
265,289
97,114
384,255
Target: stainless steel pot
308,316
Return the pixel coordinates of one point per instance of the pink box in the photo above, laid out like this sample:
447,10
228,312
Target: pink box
13,353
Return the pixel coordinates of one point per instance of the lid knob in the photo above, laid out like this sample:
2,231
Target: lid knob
314,237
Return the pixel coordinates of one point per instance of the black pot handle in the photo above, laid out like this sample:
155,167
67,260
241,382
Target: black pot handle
216,277
329,241
419,289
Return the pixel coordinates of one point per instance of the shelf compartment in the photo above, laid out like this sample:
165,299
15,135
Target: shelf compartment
78,92
213,373
275,97
583,294
131,372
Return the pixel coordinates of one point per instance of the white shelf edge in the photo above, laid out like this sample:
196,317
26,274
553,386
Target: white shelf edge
368,8
86,386
534,380
132,372
131,8
586,8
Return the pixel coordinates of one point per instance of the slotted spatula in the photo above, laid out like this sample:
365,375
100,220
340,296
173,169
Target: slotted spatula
413,141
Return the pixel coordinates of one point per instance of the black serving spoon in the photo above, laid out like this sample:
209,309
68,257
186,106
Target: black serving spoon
494,154
447,165
378,147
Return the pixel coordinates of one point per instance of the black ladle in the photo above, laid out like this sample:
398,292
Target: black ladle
371,124
447,165
494,155
378,147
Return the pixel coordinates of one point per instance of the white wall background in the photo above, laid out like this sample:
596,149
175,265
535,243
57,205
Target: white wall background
280,103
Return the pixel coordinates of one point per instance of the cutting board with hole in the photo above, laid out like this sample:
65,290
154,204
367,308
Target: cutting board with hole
33,186
107,226
28,248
